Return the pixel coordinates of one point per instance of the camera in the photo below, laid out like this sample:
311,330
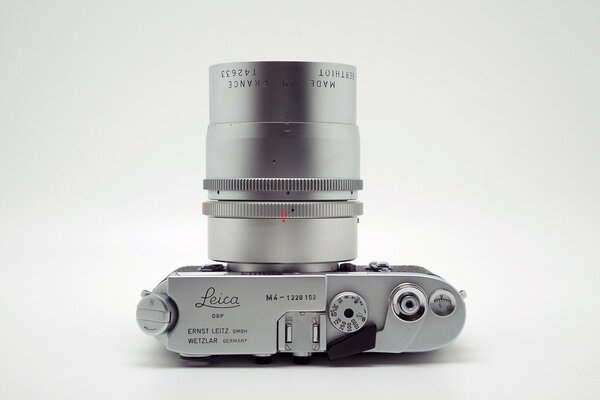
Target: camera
283,175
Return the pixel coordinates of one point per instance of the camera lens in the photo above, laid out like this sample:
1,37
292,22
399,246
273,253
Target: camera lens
282,166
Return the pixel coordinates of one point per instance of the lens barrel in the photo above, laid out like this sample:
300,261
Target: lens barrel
282,166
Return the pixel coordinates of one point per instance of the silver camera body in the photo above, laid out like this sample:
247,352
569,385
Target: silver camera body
283,175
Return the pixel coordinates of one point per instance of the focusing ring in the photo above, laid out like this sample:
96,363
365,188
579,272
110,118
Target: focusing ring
283,210
283,184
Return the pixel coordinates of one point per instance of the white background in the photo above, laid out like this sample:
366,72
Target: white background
480,156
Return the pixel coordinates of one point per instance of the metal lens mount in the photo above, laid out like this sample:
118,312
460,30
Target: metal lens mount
282,166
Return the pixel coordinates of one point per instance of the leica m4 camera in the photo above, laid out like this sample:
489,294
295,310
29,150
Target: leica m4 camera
282,175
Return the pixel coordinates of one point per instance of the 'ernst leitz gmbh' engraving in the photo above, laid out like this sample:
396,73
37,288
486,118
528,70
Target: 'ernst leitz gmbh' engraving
282,176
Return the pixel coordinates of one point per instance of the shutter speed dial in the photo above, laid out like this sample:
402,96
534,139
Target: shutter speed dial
348,312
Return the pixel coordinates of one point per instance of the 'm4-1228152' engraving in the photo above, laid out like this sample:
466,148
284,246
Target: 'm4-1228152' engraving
290,297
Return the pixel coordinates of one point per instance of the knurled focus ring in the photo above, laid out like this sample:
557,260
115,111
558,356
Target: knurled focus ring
283,184
286,210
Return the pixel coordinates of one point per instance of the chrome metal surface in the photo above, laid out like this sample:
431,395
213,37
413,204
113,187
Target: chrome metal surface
282,154
408,302
155,314
282,146
282,195
301,332
282,210
282,267
232,313
282,91
282,184
223,313
282,241
264,150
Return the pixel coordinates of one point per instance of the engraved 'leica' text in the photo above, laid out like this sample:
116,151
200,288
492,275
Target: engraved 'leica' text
213,301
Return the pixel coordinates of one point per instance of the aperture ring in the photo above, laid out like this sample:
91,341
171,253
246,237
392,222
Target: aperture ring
283,184
282,210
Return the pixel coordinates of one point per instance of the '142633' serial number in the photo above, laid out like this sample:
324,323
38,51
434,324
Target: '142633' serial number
239,72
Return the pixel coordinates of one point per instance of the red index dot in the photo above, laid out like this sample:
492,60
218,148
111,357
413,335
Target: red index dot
283,216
